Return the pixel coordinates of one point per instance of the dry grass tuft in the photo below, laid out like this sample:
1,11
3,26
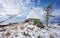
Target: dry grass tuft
51,36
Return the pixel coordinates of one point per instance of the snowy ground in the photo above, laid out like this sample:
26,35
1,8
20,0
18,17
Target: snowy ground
29,31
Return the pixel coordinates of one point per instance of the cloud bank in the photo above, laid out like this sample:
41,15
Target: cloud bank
23,8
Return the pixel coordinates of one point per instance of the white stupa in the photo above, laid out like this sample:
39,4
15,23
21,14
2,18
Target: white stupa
32,15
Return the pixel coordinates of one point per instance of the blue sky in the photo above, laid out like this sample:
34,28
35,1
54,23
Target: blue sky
44,3
23,7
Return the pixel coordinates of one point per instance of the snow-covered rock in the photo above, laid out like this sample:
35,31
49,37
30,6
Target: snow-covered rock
24,30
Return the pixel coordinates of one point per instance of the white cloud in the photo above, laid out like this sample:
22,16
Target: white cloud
13,7
40,12
56,12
